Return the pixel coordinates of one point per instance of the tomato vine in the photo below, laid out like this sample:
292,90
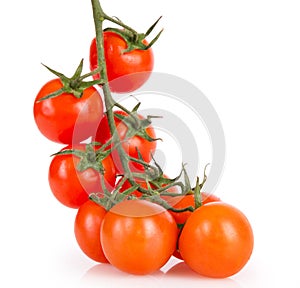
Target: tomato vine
157,184
99,17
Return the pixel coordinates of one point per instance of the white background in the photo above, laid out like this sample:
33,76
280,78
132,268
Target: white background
243,55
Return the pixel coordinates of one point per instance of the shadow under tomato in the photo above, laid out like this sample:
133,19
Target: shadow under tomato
106,275
175,274
189,277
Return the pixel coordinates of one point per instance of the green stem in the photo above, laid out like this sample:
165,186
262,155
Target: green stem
139,161
164,188
122,108
99,17
197,195
89,74
120,23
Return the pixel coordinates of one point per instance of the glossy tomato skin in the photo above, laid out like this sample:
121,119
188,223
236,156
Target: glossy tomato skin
66,119
130,145
87,230
138,236
71,187
129,70
217,240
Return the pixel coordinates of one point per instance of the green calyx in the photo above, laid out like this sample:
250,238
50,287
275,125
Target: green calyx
108,200
158,183
135,40
89,158
135,125
74,85
197,189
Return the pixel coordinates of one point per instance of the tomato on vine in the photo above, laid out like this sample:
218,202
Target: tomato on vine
216,240
138,236
87,230
68,110
72,187
126,70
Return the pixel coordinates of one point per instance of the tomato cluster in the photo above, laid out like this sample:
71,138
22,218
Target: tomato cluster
129,213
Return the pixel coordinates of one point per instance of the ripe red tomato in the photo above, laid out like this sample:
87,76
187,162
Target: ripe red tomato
131,145
66,119
136,65
138,236
87,230
71,187
216,240
184,201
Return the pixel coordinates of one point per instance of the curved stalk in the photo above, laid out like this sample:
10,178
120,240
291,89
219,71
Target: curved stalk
120,23
99,17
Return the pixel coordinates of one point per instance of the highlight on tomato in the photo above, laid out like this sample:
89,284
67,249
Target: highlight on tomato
72,187
138,236
216,240
87,230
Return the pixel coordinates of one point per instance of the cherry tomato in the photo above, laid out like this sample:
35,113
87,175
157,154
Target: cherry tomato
66,119
87,230
72,187
216,240
138,236
136,65
131,145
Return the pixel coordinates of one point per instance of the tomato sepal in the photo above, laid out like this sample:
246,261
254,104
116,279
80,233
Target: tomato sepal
134,40
136,125
107,200
89,158
73,85
197,189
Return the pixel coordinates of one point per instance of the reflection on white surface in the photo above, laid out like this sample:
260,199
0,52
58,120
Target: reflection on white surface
105,275
175,273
